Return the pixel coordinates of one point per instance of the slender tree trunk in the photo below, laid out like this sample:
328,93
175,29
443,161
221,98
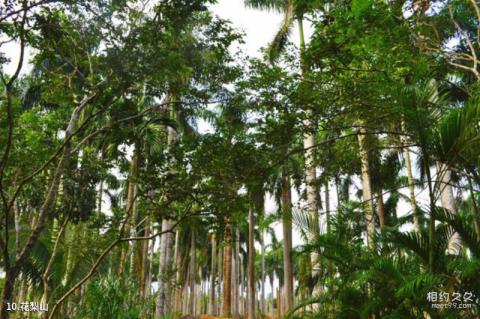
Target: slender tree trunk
134,218
144,263
238,265
431,222
411,182
272,287
310,169
198,303
262,261
381,208
241,280
327,204
18,229
213,276
279,303
220,279
163,271
367,186
286,202
338,191
130,207
227,273
251,264
185,303
178,275
151,254
166,240
238,276
235,309
193,266
46,273
444,175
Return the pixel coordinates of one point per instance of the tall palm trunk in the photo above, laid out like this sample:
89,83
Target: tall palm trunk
366,186
444,175
381,208
241,279
130,206
178,273
411,182
280,305
220,279
286,202
237,278
327,204
151,254
213,276
235,262
166,239
134,213
227,272
262,262
272,286
192,275
163,272
251,264
144,262
310,169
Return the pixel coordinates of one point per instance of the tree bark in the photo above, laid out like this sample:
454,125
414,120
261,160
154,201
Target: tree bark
411,182
130,207
220,279
448,202
262,261
310,169
192,275
213,276
47,270
177,304
366,186
227,273
151,254
144,264
165,265
251,264
238,278
381,208
236,274
272,306
235,309
279,303
327,204
163,271
286,202
131,202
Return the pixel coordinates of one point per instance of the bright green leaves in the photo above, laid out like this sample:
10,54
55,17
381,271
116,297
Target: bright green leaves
360,7
458,139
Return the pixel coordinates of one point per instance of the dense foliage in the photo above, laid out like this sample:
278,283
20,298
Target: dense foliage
139,148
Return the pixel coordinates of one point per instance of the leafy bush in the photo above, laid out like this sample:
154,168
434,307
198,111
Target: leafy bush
109,298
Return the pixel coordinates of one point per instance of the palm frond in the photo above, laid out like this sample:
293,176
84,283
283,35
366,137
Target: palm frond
274,5
305,223
280,40
458,139
462,227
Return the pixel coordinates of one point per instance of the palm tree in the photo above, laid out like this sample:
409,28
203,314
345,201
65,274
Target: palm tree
276,47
